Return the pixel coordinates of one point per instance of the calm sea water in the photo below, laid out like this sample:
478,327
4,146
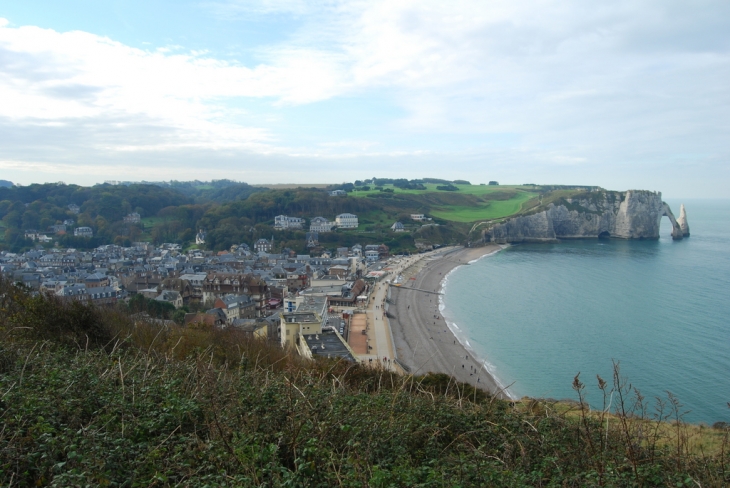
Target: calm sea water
540,313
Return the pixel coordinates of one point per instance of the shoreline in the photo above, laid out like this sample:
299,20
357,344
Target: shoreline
423,339
460,335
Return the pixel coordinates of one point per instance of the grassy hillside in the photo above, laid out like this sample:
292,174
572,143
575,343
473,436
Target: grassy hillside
469,203
233,212
93,398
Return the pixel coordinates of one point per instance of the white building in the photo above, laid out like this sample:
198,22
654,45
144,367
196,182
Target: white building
200,237
133,218
418,217
282,222
346,221
372,255
83,232
338,193
320,224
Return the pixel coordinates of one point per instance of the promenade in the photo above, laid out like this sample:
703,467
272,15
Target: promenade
375,322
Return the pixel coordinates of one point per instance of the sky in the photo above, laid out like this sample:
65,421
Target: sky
625,94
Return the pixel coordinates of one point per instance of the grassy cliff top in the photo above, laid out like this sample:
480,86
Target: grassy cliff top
93,397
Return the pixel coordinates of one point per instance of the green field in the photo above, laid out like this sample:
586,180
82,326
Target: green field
491,210
152,221
470,204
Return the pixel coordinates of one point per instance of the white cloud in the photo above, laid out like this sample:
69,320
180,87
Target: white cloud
573,83
48,75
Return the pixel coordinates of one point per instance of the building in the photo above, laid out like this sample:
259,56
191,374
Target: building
256,329
264,245
74,209
83,232
102,295
346,221
236,307
37,236
96,280
222,284
312,239
383,251
397,227
328,344
302,330
338,193
133,218
200,237
282,222
310,314
73,291
320,224
418,217
195,281
350,296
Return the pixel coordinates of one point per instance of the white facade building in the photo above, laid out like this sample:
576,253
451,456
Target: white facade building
83,232
133,218
346,221
282,222
200,237
320,224
372,255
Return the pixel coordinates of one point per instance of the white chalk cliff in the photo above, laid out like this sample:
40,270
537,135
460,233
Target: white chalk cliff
682,221
634,214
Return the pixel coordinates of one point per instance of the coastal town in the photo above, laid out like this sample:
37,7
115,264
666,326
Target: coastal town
332,303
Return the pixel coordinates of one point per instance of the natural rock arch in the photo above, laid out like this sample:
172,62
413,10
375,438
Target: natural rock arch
676,229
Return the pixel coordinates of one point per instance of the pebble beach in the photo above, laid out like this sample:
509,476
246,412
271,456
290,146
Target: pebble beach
423,340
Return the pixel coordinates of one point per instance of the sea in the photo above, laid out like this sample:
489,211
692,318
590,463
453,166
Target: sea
538,314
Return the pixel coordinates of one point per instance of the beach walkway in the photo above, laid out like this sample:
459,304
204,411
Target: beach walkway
378,335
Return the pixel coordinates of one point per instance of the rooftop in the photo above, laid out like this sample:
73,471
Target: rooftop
313,304
327,344
300,317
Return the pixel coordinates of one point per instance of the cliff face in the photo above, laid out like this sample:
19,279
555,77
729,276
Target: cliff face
627,215
682,221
